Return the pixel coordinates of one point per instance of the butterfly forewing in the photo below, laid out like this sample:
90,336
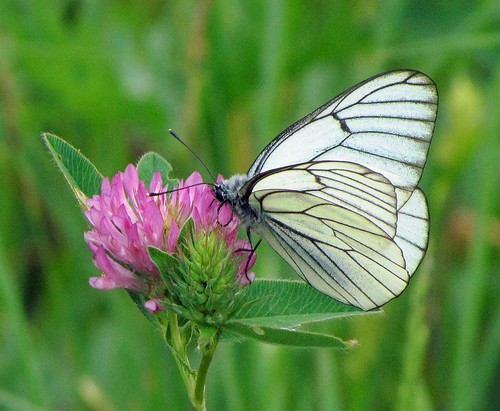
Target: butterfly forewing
384,123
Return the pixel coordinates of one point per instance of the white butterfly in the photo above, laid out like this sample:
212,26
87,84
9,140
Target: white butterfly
336,194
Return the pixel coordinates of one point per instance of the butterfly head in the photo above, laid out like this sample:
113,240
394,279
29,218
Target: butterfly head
229,191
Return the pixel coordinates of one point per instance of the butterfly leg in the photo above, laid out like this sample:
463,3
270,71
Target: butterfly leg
250,250
218,212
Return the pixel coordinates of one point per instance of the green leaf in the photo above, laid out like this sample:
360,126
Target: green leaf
83,177
152,162
285,304
282,336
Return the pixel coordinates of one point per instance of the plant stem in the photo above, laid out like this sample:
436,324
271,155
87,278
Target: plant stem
177,346
208,352
194,381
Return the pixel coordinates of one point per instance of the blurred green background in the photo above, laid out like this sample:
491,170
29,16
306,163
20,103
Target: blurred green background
112,76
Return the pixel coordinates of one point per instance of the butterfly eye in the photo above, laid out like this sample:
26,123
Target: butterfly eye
219,193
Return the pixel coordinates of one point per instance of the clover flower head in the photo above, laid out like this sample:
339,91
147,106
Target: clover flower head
125,220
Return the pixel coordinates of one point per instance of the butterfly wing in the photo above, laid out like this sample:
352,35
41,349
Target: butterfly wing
384,123
338,225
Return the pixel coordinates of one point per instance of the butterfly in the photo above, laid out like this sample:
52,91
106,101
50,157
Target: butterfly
336,195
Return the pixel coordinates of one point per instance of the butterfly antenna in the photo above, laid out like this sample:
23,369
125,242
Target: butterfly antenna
160,193
192,152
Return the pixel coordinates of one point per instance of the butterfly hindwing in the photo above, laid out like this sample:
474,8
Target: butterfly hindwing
336,223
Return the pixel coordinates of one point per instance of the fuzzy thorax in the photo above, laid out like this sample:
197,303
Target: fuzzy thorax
230,191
